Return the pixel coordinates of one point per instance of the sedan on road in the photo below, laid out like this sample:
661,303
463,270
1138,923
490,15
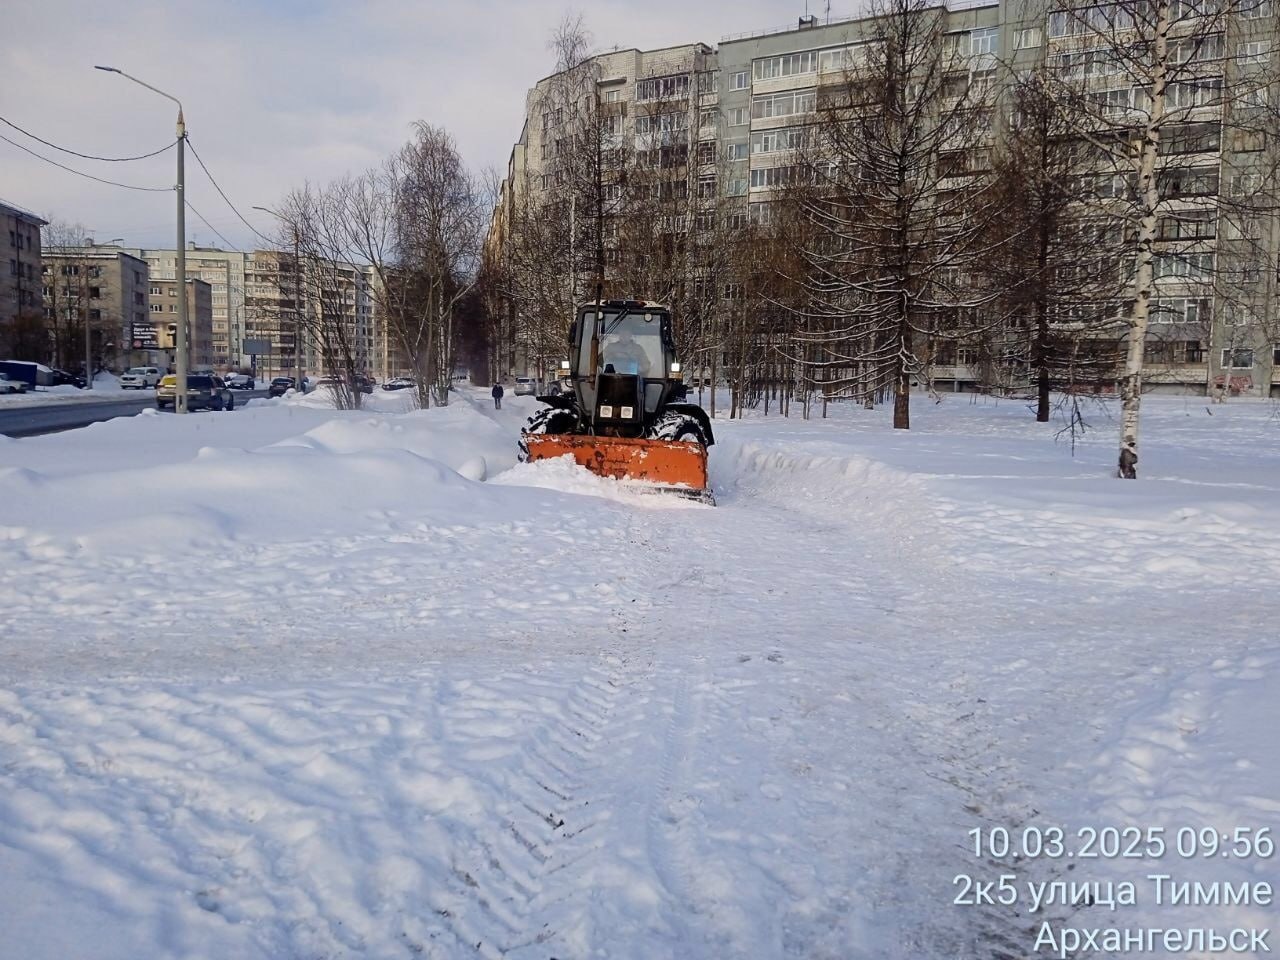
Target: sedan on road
9,385
526,387
399,383
240,381
279,385
203,393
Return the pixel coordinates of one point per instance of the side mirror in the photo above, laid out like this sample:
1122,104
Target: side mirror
573,334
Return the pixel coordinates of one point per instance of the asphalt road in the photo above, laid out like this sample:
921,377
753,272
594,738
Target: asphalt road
55,417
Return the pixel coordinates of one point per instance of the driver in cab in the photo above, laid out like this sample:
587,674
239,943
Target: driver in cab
624,355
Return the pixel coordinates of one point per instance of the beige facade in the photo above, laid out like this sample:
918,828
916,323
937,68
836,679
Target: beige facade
104,287
1224,330
224,271
20,297
162,307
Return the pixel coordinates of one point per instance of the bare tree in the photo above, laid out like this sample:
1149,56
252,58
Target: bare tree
894,193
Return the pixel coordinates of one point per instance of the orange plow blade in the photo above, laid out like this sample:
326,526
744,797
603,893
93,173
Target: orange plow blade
674,465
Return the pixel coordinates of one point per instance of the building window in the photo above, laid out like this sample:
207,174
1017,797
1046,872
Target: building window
1253,52
612,96
738,116
1240,358
95,293
737,187
1028,39
984,41
662,88
788,65
707,187
155,291
738,80
736,151
783,104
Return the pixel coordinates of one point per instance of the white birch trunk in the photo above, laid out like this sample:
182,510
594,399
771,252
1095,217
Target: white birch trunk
1144,273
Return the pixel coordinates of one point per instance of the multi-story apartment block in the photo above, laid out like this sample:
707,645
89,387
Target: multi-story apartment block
19,279
738,111
337,301
106,288
224,271
162,308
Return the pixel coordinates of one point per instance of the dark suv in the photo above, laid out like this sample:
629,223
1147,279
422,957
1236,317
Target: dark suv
203,393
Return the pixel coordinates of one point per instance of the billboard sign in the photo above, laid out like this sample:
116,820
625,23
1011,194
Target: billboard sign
144,336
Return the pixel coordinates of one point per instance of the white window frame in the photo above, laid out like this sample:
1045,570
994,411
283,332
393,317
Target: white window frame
984,41
1230,355
1028,38
738,80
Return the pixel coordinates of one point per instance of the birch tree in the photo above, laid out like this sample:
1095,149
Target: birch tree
1155,70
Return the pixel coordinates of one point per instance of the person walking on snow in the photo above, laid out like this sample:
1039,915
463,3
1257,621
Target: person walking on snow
497,396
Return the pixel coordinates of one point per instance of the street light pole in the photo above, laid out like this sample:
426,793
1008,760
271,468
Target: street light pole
180,341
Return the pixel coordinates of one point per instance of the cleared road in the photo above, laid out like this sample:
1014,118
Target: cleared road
55,417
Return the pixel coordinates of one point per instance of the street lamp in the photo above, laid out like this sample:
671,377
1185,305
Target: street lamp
297,298
88,340
180,345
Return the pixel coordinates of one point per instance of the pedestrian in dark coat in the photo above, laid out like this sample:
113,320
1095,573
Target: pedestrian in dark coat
497,396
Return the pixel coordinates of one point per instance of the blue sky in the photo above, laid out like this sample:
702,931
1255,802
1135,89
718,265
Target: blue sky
279,93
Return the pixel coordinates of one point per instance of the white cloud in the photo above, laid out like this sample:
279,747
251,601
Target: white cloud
277,93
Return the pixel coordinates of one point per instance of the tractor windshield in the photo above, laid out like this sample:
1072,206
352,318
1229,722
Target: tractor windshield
631,343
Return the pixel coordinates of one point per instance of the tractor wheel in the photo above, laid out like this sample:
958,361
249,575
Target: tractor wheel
549,420
679,427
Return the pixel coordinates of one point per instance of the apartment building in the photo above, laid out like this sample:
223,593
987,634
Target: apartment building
737,110
224,271
335,300
20,281
161,334
105,287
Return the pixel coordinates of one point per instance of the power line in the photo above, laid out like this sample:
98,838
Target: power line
79,173
230,245
87,156
223,195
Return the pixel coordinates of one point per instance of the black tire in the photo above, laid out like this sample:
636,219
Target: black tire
219,406
547,420
678,427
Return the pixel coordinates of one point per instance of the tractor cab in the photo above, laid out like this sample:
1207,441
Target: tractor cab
623,365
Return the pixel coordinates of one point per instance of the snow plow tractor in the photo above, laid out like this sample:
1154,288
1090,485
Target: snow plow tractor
625,415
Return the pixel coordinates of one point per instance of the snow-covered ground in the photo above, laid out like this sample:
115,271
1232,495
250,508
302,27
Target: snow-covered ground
106,386
302,683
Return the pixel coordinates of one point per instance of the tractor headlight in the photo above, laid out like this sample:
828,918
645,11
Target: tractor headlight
675,366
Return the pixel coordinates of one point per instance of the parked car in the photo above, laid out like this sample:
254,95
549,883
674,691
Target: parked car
240,381
399,383
63,379
204,392
139,378
364,384
9,385
279,385
526,387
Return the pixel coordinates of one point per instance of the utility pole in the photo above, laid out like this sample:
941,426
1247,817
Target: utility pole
298,309
180,341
